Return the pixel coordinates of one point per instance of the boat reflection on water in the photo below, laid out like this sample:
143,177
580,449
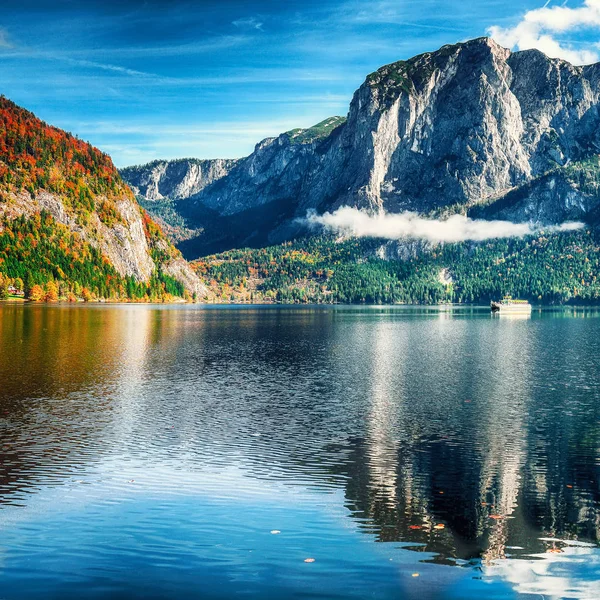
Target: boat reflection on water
512,316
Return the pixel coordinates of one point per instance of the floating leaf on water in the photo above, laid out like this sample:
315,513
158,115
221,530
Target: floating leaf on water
309,560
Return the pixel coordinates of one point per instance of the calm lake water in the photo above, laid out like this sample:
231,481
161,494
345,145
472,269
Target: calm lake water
152,452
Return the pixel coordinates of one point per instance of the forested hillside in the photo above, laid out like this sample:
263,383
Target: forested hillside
46,261
68,222
556,268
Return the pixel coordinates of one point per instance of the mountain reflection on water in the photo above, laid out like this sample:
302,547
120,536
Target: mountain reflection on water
458,438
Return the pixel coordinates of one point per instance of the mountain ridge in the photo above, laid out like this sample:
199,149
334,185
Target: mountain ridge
458,126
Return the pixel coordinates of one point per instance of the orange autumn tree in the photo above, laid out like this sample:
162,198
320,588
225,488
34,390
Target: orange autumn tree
37,293
51,292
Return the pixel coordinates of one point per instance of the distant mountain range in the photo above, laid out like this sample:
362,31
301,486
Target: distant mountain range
471,128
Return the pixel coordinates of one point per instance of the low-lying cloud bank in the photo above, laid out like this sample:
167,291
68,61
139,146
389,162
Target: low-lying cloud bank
409,225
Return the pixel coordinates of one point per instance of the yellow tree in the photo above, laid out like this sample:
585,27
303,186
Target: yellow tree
51,292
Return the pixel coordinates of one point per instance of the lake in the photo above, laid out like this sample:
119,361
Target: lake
208,452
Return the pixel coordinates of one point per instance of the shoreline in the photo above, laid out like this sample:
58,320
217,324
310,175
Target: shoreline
440,306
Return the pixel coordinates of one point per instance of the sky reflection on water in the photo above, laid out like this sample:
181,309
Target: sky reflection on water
149,451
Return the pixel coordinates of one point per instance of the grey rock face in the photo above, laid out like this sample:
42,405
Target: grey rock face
274,171
460,125
175,179
565,193
464,125
179,269
125,244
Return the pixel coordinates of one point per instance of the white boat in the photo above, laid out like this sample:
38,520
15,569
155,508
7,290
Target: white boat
509,305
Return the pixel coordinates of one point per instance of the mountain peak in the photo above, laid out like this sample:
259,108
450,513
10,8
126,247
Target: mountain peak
316,132
414,73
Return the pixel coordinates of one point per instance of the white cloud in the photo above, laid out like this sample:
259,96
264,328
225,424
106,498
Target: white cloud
409,225
553,575
538,27
249,23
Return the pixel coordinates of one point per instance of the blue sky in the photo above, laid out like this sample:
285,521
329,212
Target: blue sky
157,79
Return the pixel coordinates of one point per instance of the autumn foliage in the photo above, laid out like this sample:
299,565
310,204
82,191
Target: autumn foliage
53,260
34,155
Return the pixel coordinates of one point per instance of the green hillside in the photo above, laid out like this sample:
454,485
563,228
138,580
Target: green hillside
557,268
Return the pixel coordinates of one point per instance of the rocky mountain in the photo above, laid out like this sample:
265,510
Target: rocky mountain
242,206
560,194
175,179
160,184
472,127
66,216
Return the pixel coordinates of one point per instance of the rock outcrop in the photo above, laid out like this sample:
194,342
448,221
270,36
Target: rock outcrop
175,179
